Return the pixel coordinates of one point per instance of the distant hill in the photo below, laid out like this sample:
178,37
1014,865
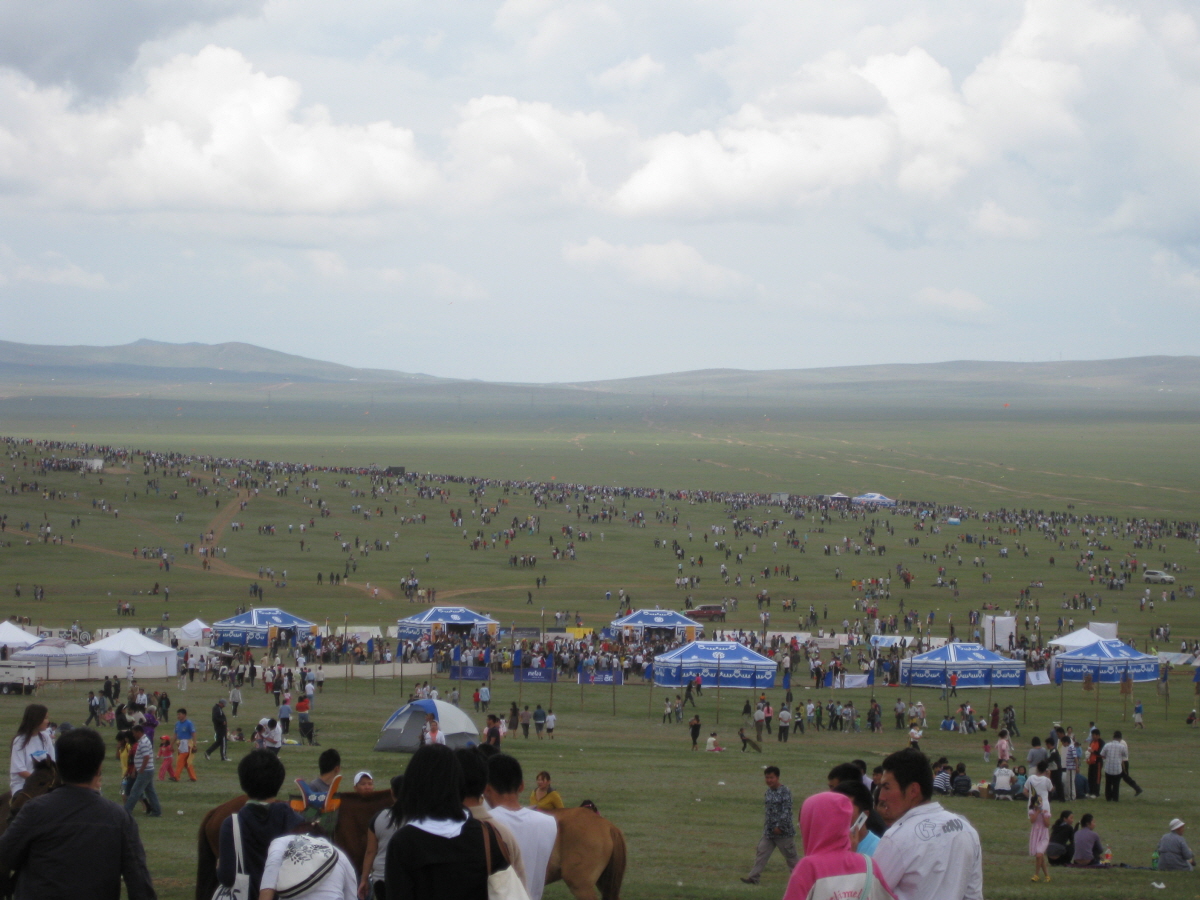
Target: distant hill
147,360
1166,380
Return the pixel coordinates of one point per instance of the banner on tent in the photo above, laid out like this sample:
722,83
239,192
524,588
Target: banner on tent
410,632
711,676
605,677
470,673
535,676
850,681
241,636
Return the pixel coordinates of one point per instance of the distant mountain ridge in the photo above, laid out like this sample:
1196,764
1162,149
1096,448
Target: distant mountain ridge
236,362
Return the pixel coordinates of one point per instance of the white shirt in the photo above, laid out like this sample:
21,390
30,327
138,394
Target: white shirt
340,884
930,853
25,755
535,832
551,721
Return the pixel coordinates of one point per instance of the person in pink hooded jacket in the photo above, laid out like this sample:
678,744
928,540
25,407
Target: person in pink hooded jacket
830,868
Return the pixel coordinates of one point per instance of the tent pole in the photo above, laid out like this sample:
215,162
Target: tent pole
614,684
718,691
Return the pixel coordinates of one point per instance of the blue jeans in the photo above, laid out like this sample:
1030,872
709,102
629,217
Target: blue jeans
144,785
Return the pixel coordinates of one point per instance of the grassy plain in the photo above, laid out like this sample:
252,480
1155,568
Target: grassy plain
690,835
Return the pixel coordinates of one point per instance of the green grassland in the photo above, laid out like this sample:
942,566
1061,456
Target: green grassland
690,835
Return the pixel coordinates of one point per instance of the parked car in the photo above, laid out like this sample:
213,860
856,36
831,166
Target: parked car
1157,576
709,612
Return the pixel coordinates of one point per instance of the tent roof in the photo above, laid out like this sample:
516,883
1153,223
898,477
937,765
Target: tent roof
449,615
451,719
727,652
12,636
131,642
1084,637
264,618
962,654
1106,649
872,497
654,618
53,647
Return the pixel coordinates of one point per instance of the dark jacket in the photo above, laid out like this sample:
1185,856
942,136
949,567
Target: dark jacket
74,843
220,722
261,824
422,866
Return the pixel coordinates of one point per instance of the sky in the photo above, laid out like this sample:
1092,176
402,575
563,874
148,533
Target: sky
547,191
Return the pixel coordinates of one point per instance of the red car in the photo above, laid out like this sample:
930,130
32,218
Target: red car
710,612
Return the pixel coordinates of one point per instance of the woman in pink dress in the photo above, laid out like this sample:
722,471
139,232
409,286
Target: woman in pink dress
1039,836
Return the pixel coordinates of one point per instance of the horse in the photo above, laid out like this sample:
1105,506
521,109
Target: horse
44,778
589,851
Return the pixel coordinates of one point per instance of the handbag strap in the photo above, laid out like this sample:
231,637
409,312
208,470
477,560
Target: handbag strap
487,846
869,882
237,844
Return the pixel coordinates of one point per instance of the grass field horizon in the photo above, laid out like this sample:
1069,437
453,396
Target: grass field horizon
689,835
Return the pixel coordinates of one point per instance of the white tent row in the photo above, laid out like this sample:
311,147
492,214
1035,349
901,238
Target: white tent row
1086,636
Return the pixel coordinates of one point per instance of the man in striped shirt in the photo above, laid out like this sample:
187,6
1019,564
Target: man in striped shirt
143,767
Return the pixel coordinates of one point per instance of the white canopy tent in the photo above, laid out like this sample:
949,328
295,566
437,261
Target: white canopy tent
195,631
13,637
1086,636
129,647
997,630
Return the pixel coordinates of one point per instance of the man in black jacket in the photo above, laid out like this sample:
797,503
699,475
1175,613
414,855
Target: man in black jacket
72,842
221,728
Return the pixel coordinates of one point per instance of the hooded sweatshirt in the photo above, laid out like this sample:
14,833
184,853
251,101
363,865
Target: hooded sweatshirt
830,870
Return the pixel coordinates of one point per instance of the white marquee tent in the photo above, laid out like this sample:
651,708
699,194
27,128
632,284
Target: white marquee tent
129,647
1086,636
12,636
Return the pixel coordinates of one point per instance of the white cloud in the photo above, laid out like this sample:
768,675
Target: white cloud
208,132
955,305
993,220
1169,269
326,263
674,267
630,73
504,147
53,269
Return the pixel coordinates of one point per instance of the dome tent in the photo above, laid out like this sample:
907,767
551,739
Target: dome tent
401,733
718,663
975,666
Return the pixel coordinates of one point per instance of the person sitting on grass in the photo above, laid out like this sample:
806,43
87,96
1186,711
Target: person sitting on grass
711,744
1089,850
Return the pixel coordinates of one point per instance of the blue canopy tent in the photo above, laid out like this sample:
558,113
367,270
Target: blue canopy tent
258,627
644,620
975,665
718,663
457,619
1107,661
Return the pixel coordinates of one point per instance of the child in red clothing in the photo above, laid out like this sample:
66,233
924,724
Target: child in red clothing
166,754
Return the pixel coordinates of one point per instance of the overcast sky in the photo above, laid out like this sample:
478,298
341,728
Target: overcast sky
550,191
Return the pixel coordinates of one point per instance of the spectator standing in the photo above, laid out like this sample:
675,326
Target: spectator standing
1114,755
143,768
927,853
261,820
72,842
221,730
534,831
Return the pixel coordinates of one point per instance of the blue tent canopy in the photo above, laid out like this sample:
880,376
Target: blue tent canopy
443,618
253,628
1107,661
718,663
668,619
975,665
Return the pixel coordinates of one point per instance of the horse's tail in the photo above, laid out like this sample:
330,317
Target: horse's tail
614,873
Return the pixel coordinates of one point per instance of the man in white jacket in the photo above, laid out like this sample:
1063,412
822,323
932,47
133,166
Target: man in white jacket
927,853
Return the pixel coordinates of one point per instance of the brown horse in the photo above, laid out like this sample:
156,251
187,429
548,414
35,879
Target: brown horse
588,854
